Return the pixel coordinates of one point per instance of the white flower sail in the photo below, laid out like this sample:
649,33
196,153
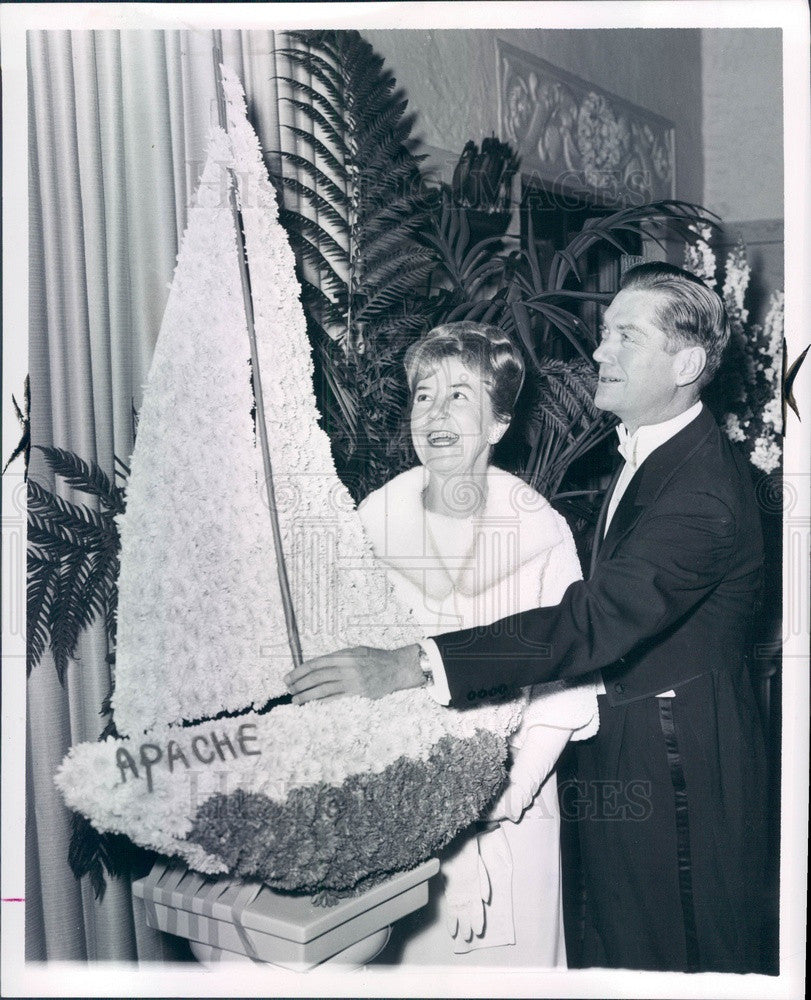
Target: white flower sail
301,796
201,627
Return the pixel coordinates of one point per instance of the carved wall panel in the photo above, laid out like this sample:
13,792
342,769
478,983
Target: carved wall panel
575,136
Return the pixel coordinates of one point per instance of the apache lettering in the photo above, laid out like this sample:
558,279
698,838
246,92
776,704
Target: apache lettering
216,746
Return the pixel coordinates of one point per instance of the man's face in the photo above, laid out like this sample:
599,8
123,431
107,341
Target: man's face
638,375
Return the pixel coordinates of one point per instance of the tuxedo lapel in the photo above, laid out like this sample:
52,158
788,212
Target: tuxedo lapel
647,483
600,529
627,513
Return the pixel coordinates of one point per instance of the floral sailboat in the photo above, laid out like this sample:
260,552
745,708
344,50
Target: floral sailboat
301,797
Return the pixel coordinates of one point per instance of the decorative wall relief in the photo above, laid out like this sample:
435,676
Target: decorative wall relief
576,136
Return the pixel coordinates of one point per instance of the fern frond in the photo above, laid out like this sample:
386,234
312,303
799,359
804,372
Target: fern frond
322,150
382,269
111,607
302,224
329,42
330,113
309,252
385,122
333,135
65,625
92,853
319,203
389,146
76,523
331,189
321,308
41,588
386,296
387,240
322,69
87,477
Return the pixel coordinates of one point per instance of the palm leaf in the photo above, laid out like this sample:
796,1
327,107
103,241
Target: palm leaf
571,326
641,220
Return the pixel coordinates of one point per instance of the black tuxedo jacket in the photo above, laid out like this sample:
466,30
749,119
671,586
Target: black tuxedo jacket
670,596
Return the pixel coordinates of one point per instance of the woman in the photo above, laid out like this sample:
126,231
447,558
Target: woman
466,544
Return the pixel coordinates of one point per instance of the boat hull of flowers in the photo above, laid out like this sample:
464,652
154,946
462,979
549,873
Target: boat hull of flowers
309,797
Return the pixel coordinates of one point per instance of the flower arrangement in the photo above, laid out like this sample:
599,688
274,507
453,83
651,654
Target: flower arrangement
304,796
200,624
755,416
214,611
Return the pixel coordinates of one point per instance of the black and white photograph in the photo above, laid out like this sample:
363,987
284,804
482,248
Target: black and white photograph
406,499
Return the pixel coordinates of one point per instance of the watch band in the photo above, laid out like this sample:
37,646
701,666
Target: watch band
425,667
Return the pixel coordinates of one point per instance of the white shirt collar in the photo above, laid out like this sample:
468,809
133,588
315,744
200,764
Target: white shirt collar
636,447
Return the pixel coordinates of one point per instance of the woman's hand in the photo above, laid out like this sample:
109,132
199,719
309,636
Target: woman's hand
532,764
511,804
363,670
467,889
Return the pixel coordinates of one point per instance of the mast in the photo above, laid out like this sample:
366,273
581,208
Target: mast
245,280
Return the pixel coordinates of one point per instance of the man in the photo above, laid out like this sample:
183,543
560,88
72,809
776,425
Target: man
671,791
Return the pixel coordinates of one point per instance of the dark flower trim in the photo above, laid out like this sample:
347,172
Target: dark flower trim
328,837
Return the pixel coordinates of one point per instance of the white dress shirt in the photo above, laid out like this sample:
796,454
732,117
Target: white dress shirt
634,448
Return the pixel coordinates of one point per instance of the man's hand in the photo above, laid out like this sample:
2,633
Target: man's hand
363,670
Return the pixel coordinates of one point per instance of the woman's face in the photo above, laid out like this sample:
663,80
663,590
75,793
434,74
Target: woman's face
452,421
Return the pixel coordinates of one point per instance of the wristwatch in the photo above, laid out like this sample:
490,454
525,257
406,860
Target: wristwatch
425,667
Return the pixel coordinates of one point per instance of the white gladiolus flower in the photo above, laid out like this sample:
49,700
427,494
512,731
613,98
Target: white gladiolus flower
766,454
732,428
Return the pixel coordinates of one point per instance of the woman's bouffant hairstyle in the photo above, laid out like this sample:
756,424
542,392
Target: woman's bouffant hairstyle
480,346
690,312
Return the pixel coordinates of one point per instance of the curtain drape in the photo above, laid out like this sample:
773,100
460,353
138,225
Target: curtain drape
118,124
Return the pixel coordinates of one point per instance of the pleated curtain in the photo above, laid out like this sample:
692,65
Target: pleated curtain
118,125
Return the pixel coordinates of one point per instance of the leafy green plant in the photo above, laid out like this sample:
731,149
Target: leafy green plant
561,423
72,559
483,180
24,419
362,272
381,259
484,281
73,581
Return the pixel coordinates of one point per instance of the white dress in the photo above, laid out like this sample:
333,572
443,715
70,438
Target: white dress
515,554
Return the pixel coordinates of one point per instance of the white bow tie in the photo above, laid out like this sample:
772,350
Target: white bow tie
627,445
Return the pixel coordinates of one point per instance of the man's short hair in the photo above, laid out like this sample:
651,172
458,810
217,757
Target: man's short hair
689,312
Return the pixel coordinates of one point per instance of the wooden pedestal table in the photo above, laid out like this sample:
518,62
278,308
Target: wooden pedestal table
231,919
